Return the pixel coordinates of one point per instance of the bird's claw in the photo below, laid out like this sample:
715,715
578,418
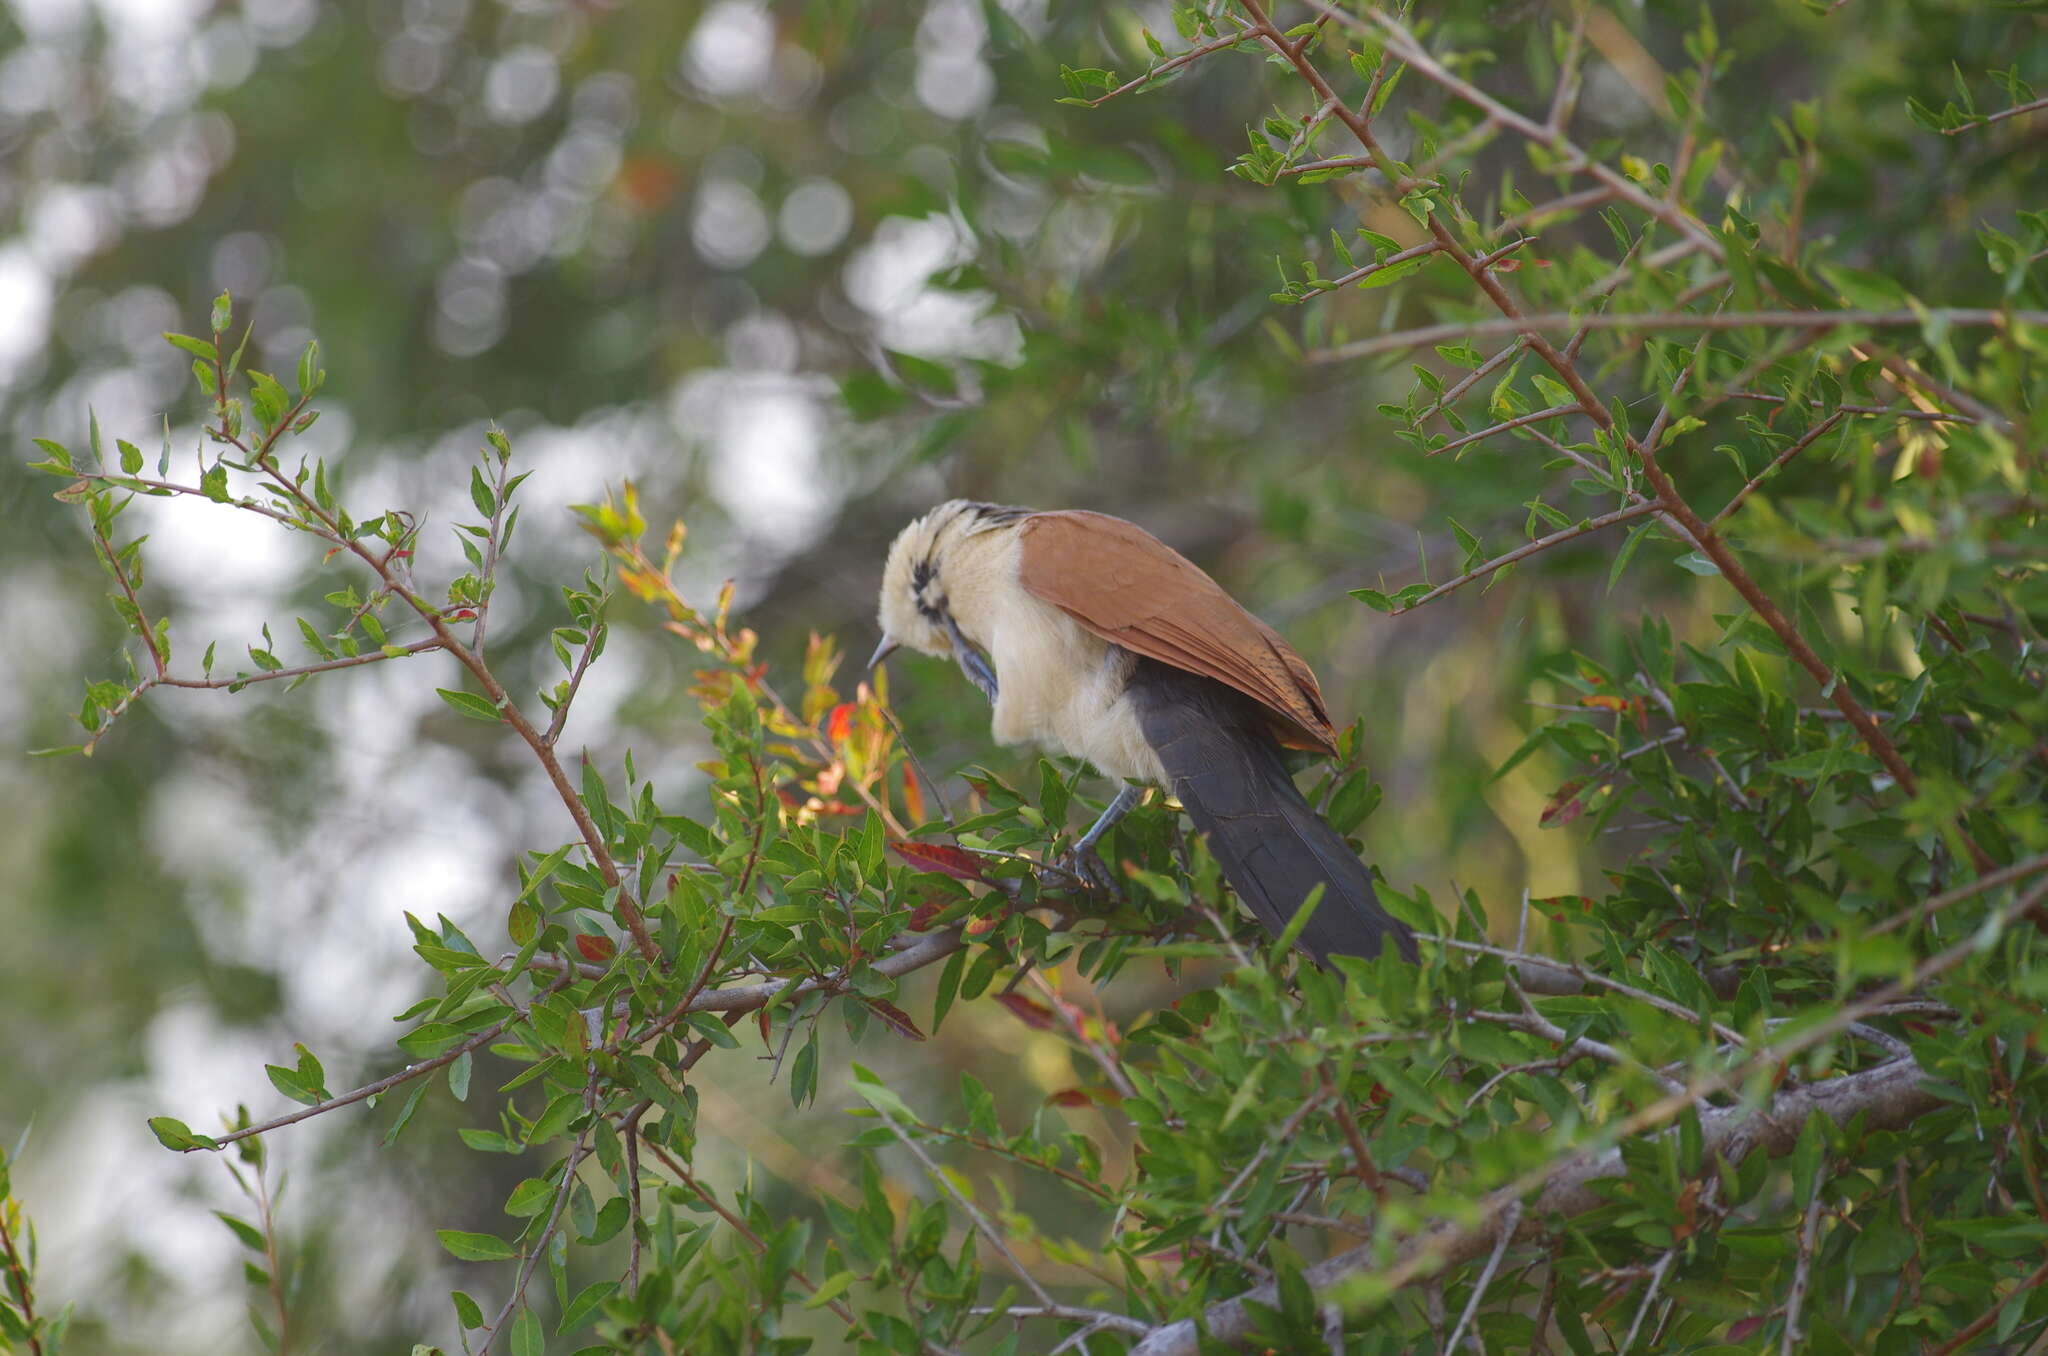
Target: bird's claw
1083,866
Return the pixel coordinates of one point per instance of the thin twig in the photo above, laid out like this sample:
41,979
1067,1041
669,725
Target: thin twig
981,1222
1892,411
2018,871
1801,1273
1990,1316
1553,322
1535,1024
405,1075
1573,968
1173,63
1811,436
1507,1234
1527,549
1136,1327
1535,417
1564,96
2013,112
1650,1295
577,1152
19,1282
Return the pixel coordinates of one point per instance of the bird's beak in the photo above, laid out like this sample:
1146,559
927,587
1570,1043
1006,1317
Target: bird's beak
888,647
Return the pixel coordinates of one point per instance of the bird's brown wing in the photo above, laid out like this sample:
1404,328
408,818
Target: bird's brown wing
1134,590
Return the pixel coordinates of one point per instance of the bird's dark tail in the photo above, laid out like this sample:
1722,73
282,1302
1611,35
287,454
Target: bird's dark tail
1225,766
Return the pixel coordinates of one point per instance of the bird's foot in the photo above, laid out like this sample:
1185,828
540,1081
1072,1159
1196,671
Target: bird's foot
1082,867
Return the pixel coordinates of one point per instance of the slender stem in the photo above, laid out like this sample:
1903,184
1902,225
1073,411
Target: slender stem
1894,411
2013,112
980,1221
1812,436
1553,322
1536,417
1527,549
577,1153
324,666
405,1075
1990,1316
388,572
1171,64
739,1226
1809,1232
2018,871
24,1289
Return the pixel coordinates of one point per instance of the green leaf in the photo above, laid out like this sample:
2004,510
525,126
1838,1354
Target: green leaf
267,398
1696,563
1290,934
198,348
291,1084
579,1310
475,1247
175,1134
405,1113
480,494
251,1237
1354,802
830,1289
469,704
530,1198
1628,550
880,1097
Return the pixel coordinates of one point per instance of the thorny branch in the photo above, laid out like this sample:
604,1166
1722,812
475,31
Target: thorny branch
1887,1096
1533,331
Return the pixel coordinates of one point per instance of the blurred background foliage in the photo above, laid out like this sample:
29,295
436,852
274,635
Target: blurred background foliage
800,271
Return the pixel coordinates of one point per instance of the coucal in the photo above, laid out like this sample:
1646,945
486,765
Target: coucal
1094,638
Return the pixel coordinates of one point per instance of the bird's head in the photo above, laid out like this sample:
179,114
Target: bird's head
916,600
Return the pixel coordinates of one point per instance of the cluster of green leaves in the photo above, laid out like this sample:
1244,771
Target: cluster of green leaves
21,1327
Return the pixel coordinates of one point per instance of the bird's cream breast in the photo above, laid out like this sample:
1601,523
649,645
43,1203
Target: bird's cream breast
1063,687
1059,685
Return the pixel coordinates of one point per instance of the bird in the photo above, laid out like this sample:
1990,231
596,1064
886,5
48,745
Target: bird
1092,637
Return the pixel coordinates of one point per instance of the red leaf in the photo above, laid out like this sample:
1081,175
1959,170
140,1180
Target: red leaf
1742,1328
1109,1097
1032,1014
913,796
898,1020
943,858
597,949
840,723
1565,805
981,927
921,917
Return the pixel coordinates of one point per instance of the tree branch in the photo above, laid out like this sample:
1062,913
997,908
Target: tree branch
1527,549
1889,1096
1553,322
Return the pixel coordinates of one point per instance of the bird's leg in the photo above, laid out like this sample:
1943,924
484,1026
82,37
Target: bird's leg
971,662
1081,861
